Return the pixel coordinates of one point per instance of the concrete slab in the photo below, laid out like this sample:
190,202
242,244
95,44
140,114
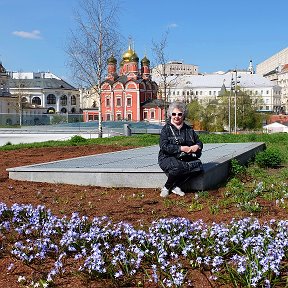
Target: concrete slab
137,168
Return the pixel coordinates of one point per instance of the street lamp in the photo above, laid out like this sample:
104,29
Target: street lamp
233,87
229,103
234,83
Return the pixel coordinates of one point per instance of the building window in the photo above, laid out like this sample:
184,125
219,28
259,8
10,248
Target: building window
210,93
107,102
129,102
267,108
90,117
36,101
63,100
267,92
118,102
129,117
73,100
63,110
118,116
51,99
152,115
96,117
145,115
108,117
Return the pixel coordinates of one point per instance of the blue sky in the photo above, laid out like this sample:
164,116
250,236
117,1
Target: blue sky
216,35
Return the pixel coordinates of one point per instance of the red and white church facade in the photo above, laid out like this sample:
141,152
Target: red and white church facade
130,95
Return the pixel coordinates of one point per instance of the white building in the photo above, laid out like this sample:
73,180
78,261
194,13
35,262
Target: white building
45,90
208,87
175,68
32,98
275,128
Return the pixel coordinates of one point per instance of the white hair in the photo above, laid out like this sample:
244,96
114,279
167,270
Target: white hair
177,105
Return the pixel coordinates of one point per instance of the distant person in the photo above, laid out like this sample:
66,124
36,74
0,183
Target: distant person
180,149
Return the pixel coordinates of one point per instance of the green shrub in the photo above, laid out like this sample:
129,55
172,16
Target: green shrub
268,158
237,169
77,139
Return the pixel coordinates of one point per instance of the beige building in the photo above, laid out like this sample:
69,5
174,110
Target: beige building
175,68
283,83
275,69
273,62
4,77
89,98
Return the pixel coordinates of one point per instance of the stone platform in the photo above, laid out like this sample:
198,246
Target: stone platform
137,168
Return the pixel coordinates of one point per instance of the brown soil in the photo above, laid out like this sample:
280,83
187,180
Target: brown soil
120,204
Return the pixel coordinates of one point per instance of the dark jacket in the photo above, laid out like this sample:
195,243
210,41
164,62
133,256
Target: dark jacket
186,136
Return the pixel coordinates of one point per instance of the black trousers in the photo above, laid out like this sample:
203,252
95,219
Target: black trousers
178,171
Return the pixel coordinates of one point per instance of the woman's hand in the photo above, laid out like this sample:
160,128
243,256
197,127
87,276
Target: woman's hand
194,148
190,149
185,149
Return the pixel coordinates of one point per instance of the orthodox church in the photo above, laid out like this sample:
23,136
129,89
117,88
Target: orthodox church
130,95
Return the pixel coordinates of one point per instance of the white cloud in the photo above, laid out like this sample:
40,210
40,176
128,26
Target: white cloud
172,25
35,34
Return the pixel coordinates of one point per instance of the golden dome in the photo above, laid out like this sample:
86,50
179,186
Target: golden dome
127,55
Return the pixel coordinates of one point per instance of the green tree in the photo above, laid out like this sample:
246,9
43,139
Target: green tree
247,116
211,117
206,116
194,109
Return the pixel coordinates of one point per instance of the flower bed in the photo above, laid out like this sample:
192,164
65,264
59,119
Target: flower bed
243,252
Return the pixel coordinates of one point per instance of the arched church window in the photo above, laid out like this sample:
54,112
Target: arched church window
63,100
36,100
51,99
73,100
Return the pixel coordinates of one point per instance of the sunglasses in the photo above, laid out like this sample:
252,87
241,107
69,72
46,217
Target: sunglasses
178,114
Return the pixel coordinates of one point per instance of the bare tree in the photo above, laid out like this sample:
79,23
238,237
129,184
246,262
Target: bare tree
159,49
20,95
92,43
161,60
